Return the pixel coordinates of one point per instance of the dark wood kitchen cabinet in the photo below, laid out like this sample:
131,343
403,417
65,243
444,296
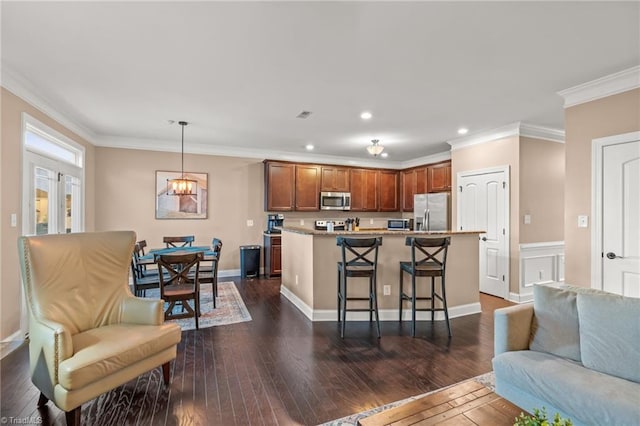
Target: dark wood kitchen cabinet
279,186
414,181
439,177
388,189
364,190
334,179
272,255
307,187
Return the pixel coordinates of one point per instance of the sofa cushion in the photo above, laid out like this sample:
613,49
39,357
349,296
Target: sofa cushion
555,323
103,351
610,334
588,396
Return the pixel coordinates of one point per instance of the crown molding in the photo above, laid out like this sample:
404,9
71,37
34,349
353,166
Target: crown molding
619,82
227,151
20,87
514,129
539,132
509,130
434,158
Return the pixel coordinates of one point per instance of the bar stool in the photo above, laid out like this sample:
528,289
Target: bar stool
359,259
428,259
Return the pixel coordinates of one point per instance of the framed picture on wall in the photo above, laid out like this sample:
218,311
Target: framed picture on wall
172,204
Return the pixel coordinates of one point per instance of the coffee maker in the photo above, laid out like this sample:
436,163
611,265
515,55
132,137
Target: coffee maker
274,223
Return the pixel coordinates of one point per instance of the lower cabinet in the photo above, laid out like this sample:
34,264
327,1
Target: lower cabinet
272,255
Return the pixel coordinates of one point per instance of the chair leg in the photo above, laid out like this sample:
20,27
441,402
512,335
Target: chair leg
370,299
444,305
42,400
166,373
433,300
400,298
344,304
73,416
413,305
373,297
338,293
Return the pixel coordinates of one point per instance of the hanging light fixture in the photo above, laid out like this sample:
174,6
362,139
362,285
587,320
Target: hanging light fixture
182,186
375,149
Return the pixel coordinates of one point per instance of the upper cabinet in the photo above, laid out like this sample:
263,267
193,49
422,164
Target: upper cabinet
307,187
279,186
439,177
364,190
389,191
414,181
334,179
291,186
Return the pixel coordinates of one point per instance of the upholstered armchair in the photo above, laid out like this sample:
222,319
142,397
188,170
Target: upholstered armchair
87,333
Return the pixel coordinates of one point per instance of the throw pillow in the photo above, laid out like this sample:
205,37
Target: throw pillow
610,334
555,327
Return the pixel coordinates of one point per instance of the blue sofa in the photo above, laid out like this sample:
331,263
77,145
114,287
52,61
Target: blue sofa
574,351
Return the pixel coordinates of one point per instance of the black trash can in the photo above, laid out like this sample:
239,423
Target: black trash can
249,261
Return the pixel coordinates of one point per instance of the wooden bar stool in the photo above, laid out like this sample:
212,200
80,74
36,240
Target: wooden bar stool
359,260
428,259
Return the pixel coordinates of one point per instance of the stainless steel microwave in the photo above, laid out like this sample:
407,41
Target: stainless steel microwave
335,201
398,224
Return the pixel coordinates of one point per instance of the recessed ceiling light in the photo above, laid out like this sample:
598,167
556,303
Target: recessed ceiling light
366,115
384,155
463,131
309,147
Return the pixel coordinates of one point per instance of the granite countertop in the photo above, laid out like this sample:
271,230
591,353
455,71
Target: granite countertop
373,231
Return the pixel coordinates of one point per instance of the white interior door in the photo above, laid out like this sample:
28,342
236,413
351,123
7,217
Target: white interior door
621,218
483,205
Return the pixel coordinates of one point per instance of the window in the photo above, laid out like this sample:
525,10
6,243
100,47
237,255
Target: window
53,181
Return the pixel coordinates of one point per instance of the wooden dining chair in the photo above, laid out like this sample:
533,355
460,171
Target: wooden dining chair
209,274
181,284
182,241
143,279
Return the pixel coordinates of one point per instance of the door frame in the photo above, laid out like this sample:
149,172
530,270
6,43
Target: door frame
597,150
507,216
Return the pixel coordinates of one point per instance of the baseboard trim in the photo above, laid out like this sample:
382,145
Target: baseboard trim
384,314
520,298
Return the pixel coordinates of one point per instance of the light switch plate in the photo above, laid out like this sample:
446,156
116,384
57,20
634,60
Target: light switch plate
14,220
249,222
527,219
583,221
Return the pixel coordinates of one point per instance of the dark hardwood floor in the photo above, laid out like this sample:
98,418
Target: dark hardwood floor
278,369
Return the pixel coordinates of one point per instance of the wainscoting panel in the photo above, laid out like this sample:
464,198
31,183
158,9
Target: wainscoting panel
539,263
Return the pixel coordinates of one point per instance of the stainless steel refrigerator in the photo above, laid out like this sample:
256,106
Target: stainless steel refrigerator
431,212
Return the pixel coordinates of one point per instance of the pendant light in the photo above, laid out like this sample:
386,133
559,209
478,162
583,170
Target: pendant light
182,186
375,149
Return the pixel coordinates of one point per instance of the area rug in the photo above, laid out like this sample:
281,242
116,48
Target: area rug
487,380
230,308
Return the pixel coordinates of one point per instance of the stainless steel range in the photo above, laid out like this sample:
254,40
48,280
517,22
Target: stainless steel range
330,225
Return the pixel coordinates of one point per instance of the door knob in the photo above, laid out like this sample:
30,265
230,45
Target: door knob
484,238
612,255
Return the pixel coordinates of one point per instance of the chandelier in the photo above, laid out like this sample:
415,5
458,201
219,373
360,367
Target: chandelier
182,186
375,149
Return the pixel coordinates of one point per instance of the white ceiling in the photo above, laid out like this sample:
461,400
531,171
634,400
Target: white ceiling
240,72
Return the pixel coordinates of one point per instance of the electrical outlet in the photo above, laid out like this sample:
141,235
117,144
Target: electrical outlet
249,222
301,222
296,279
370,221
583,221
386,290
527,219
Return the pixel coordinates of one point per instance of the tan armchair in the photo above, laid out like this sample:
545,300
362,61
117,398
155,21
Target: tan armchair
87,333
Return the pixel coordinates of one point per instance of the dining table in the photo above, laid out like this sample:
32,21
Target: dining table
150,257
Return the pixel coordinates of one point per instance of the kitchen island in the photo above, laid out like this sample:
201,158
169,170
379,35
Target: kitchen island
309,275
